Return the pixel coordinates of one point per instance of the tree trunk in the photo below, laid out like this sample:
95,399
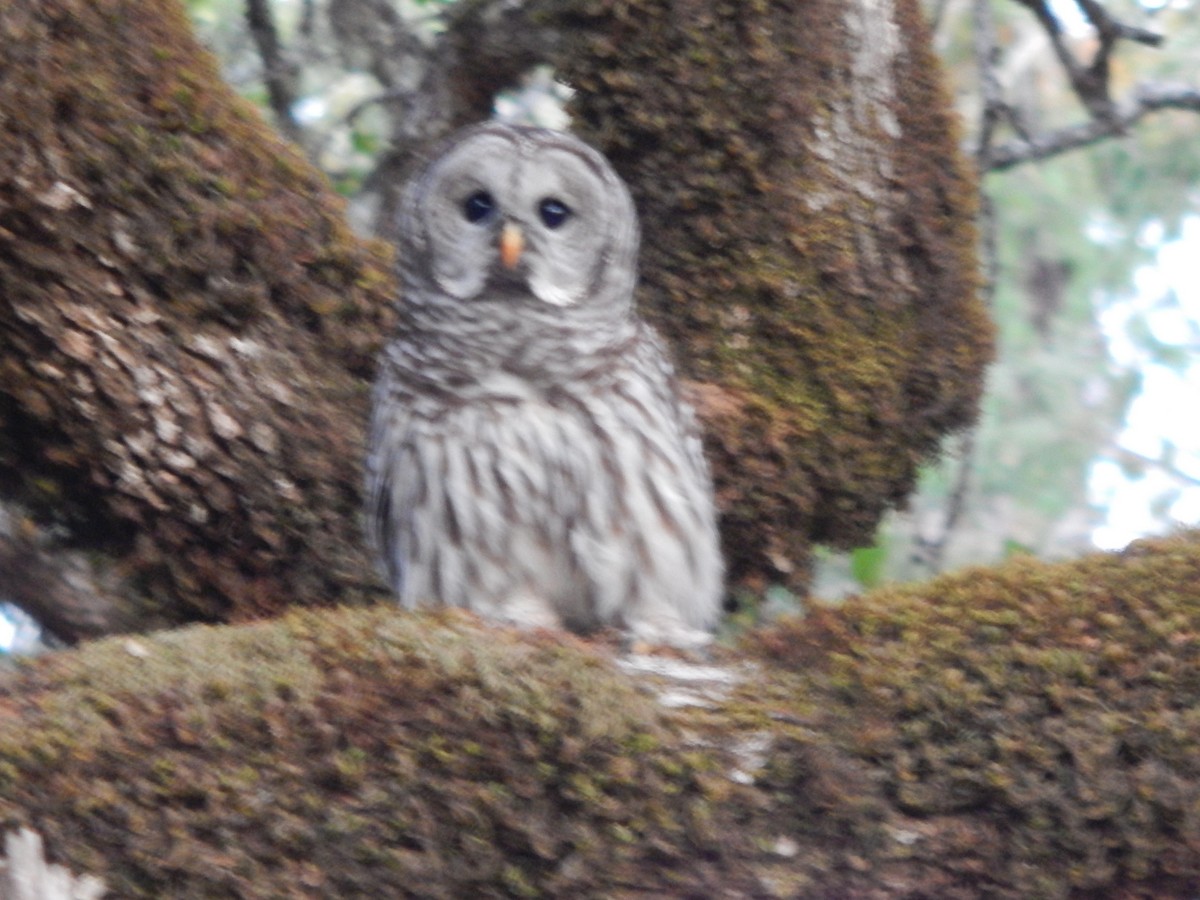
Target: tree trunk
186,326
809,247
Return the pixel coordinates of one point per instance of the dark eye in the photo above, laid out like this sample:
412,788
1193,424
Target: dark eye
478,206
553,212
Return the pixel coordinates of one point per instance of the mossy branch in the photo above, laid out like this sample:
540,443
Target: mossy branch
1027,730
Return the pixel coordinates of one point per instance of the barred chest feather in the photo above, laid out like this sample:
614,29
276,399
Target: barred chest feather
582,503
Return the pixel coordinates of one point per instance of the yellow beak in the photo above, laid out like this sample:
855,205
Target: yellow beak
512,242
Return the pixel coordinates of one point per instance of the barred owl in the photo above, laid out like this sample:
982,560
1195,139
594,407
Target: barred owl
530,457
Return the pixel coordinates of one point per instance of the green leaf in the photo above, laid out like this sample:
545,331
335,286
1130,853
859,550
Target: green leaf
866,565
1016,548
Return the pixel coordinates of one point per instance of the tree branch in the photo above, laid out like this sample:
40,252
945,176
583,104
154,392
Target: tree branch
937,15
279,75
1112,31
1123,456
1145,99
486,46
930,551
64,590
1089,80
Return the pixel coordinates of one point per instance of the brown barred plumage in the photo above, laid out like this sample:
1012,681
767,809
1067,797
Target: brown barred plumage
530,457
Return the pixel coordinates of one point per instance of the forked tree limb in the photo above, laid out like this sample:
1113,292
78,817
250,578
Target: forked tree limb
1089,80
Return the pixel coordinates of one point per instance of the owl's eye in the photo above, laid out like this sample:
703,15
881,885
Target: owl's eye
553,212
478,206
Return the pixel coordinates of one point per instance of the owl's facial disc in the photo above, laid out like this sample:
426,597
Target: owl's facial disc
568,223
506,216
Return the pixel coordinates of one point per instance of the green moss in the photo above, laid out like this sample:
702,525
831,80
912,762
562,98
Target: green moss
194,211
1045,711
838,304
465,741
1023,731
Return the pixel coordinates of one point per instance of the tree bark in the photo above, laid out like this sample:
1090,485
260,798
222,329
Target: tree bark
186,326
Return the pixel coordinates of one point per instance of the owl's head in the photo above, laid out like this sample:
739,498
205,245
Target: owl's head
510,212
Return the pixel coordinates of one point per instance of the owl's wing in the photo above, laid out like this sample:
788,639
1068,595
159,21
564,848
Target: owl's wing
388,422
654,358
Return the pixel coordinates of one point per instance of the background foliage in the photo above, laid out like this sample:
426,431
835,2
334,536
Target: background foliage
1065,454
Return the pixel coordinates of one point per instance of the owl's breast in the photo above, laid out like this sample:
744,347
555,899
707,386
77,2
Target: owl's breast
503,386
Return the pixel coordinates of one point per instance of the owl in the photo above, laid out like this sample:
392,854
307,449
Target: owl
530,457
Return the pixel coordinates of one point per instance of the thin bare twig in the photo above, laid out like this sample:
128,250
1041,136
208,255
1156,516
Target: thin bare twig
1124,456
1144,99
279,75
987,52
1090,80
1111,30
